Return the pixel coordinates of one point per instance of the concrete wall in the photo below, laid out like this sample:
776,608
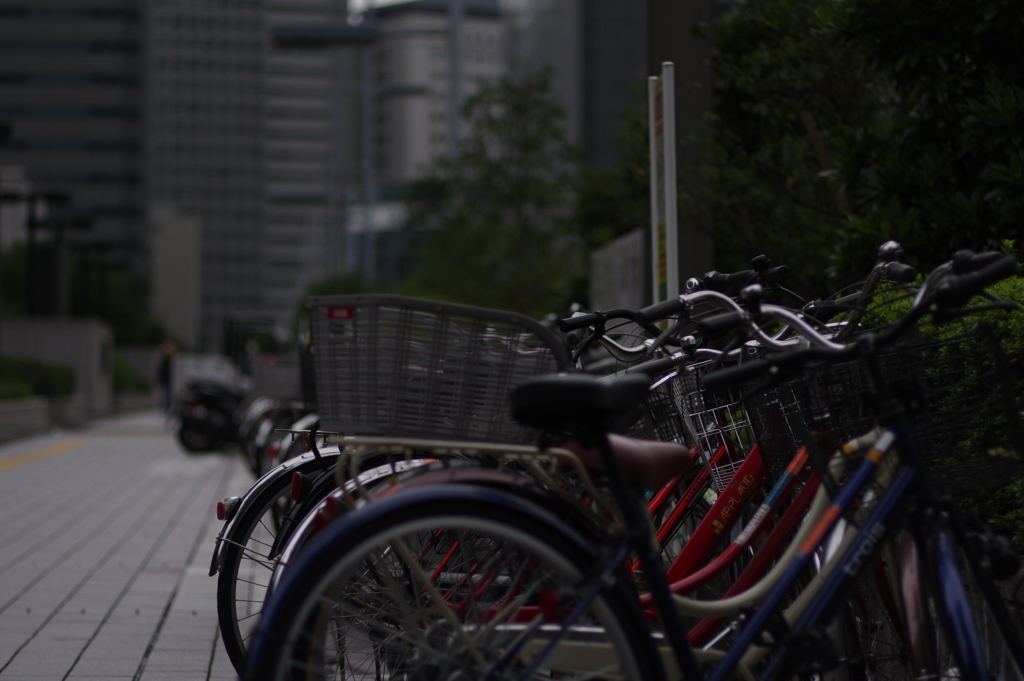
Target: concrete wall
86,345
24,416
176,250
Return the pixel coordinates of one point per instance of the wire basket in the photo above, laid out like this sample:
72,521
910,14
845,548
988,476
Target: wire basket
661,419
387,365
713,421
958,394
967,421
780,423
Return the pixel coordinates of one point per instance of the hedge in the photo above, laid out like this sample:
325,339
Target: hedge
43,378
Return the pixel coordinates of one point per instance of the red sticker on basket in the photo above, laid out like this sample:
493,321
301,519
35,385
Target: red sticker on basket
341,312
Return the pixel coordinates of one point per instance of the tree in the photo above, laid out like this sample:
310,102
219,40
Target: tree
841,124
114,293
786,97
492,227
611,201
947,172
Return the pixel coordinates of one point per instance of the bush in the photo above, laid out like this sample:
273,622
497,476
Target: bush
126,380
49,380
13,389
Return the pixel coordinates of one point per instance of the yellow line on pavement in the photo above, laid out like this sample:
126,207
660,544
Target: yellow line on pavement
52,450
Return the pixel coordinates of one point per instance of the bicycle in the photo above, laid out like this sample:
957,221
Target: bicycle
706,541
495,641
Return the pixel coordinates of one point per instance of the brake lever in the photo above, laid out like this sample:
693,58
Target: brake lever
599,331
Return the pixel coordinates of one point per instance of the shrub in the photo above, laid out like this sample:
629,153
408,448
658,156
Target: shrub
13,389
49,380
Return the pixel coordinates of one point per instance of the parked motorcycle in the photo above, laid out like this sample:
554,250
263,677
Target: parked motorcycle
207,416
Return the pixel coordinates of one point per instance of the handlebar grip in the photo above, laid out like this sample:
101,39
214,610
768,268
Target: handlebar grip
725,378
659,311
578,322
775,274
900,273
654,368
826,311
718,325
959,288
718,281
966,261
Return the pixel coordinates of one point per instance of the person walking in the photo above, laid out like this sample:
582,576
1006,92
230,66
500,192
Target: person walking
165,372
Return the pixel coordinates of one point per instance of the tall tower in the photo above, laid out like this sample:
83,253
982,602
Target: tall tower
71,92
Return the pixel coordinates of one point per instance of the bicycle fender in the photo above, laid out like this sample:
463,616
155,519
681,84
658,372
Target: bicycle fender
304,463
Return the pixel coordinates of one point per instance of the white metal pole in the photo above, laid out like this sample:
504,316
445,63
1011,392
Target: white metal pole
671,213
656,186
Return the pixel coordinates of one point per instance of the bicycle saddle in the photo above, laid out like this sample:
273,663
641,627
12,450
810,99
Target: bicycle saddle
577,403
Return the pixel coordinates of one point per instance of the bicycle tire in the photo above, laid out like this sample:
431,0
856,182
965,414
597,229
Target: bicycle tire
252,528
502,550
997,643
869,636
241,557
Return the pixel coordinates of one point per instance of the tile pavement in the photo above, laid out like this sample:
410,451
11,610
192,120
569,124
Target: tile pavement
105,541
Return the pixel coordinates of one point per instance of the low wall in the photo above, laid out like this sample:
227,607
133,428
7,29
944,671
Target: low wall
68,412
83,344
23,417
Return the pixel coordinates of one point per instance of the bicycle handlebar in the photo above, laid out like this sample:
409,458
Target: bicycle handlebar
967,261
899,272
579,321
959,288
950,290
659,311
719,281
720,324
829,309
775,274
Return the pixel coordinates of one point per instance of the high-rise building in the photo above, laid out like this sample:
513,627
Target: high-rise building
310,156
414,72
598,50
178,126
71,93
250,141
411,102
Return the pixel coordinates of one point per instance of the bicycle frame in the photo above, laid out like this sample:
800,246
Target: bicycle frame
909,482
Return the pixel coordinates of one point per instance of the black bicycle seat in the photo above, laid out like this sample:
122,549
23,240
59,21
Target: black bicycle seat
577,403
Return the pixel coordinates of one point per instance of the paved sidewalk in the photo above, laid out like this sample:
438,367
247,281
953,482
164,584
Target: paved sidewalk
105,543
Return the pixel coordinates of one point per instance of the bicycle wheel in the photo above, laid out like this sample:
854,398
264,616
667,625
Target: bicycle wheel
449,582
247,563
246,566
996,643
868,632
